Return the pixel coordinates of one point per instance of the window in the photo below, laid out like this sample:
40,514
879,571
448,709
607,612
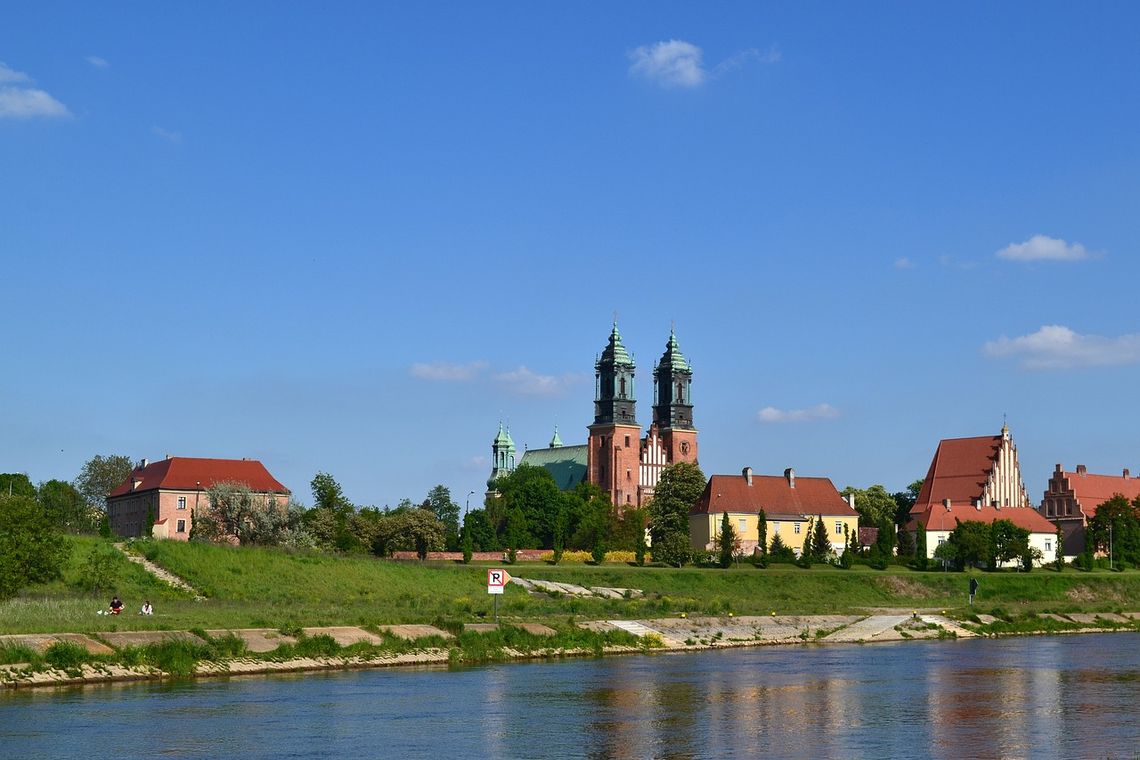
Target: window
1048,546
182,502
941,541
628,476
743,525
839,527
181,526
797,530
627,441
775,527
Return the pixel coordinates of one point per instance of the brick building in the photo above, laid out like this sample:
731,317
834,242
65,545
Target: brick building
169,490
1072,498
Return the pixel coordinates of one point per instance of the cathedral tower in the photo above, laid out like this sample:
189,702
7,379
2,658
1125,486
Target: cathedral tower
673,404
502,458
613,456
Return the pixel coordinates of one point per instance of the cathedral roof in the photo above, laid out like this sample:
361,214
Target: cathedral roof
504,437
555,442
959,471
566,464
615,351
673,356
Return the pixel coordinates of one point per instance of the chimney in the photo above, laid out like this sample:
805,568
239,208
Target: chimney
978,504
170,456
747,473
946,503
1081,469
790,476
851,500
144,463
1127,474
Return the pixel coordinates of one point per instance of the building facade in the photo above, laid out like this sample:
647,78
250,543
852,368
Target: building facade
940,520
1072,498
168,492
789,502
616,457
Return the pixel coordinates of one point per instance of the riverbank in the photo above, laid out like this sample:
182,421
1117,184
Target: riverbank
121,657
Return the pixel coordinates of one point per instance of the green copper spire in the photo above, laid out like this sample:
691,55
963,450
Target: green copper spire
555,442
673,355
615,351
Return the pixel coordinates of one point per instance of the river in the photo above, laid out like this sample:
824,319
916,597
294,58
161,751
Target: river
1040,697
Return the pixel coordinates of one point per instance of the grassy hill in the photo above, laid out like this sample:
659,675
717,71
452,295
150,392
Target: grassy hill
252,587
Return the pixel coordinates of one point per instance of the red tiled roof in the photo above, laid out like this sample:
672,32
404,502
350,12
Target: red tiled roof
937,517
190,474
958,471
811,496
1091,491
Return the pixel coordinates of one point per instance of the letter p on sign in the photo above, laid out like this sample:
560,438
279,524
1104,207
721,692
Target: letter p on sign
497,580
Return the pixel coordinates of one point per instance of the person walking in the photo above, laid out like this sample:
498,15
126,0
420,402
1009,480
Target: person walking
973,590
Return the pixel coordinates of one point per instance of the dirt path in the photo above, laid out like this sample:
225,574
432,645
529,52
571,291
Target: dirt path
159,572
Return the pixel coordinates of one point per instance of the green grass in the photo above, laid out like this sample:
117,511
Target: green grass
268,588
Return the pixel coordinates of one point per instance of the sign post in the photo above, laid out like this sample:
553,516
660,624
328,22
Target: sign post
497,580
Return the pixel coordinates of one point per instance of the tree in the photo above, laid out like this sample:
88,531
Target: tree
439,502
330,520
906,501
31,548
679,488
847,558
516,533
327,493
417,530
639,549
1007,542
885,541
481,531
906,544
921,557
1059,555
1115,529
762,532
100,569
820,543
534,493
65,506
466,543
779,551
101,475
235,514
17,484
971,543
726,542
873,504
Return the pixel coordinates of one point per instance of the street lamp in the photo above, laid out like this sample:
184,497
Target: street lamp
467,505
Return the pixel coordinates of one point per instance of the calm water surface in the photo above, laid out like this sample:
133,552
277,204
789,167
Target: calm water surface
1071,697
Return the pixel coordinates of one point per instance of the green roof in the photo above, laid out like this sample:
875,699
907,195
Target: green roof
673,356
615,351
555,442
566,464
504,437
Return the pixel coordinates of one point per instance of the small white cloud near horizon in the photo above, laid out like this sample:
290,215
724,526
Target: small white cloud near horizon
902,262
677,63
1058,347
19,100
167,134
97,62
446,371
1043,248
527,382
817,412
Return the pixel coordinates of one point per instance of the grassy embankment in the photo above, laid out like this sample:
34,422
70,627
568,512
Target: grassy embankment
265,588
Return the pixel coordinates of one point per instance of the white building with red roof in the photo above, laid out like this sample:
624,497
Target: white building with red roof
169,490
978,479
788,501
1072,498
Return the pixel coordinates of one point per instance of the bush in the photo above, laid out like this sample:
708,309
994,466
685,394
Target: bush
66,655
100,569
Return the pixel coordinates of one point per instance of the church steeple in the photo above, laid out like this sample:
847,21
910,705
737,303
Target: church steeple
614,398
673,386
502,456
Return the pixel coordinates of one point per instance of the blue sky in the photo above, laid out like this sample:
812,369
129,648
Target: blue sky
351,239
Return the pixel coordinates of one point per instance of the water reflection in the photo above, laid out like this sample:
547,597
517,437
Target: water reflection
1033,697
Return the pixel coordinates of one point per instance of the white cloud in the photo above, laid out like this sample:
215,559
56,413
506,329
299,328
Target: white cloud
817,412
1043,248
1058,347
9,76
166,134
97,62
19,100
527,382
28,103
675,63
902,262
447,372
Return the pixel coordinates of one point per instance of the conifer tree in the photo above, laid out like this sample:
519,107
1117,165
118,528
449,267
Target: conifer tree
1059,560
779,551
726,541
762,532
920,553
820,543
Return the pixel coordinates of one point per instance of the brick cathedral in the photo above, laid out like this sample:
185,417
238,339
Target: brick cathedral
617,457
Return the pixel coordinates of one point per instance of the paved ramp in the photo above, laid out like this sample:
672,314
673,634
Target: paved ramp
256,639
873,628
41,641
641,630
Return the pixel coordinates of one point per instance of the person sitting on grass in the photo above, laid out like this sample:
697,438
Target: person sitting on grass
116,605
146,608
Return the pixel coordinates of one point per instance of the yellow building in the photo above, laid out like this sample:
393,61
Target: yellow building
788,502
